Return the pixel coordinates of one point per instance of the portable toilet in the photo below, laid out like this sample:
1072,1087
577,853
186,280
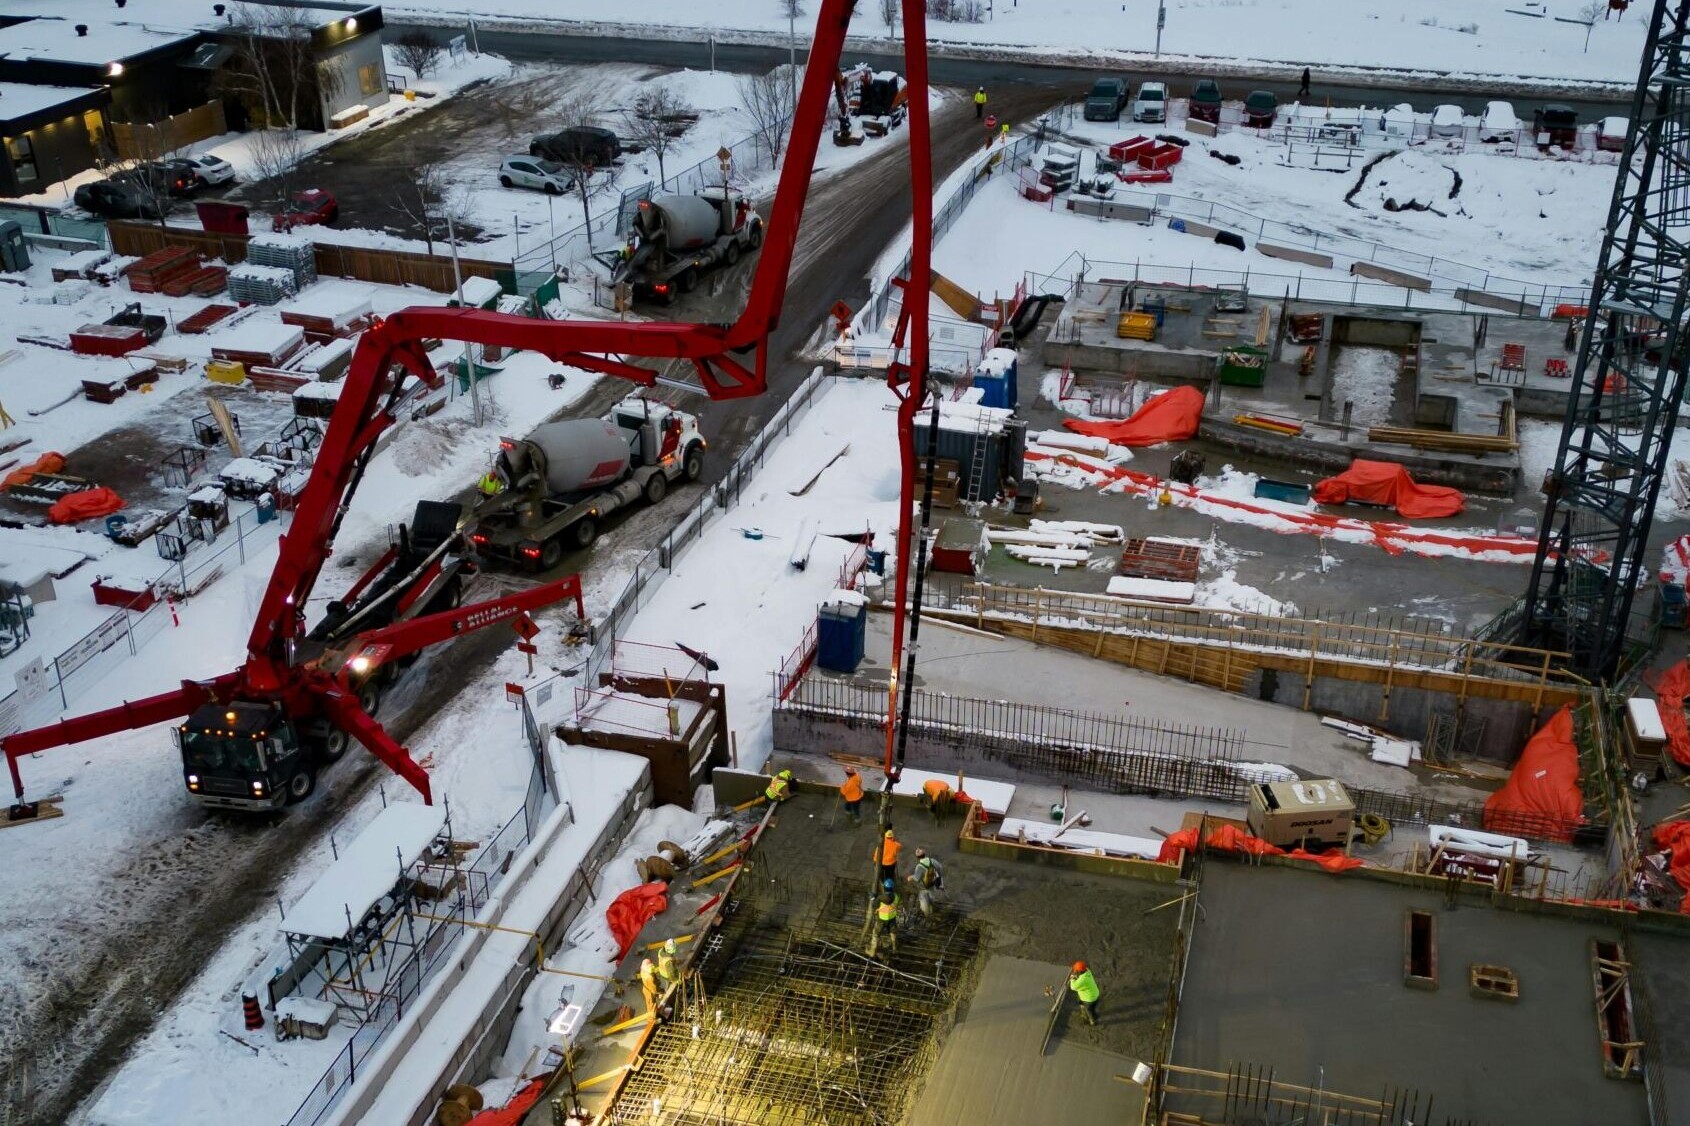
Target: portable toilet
14,252
841,631
996,379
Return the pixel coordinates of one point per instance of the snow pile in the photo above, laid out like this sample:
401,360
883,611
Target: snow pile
1367,377
1409,181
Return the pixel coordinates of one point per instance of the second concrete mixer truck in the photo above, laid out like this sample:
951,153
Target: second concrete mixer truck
678,238
551,491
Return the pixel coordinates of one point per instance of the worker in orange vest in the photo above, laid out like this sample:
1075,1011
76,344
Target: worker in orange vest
886,855
936,797
851,793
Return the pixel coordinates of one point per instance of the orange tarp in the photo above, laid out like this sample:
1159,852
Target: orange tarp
46,463
513,1112
85,505
1670,689
1387,484
1168,417
632,909
1541,797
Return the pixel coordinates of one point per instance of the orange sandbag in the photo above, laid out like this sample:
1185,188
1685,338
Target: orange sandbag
1541,797
632,909
46,463
1175,843
1168,417
1230,838
1387,484
513,1112
1331,861
86,505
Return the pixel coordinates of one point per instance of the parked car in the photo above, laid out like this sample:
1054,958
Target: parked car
161,178
1556,124
1108,97
1448,121
1151,103
312,207
535,172
117,199
1260,108
1610,135
1500,123
211,170
586,144
1206,102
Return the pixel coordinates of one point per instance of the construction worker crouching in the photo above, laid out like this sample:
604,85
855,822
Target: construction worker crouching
885,919
1085,990
851,793
936,798
886,855
490,485
779,787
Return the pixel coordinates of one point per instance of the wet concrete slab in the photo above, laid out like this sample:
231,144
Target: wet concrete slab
1303,973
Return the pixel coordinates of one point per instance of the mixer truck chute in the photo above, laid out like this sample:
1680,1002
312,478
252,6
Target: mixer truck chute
559,483
678,238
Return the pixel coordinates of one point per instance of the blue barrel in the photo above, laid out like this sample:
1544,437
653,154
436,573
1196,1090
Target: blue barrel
114,525
841,631
265,508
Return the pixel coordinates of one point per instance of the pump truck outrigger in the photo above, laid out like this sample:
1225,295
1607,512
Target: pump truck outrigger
285,680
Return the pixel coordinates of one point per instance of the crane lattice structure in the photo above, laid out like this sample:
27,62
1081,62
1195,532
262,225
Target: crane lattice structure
1629,380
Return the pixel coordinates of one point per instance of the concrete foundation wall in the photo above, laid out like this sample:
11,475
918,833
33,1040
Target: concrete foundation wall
1492,301
1195,367
1499,478
1201,128
1193,227
1508,724
1386,274
1375,332
1292,254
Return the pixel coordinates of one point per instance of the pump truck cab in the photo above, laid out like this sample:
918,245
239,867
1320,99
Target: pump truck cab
559,484
679,238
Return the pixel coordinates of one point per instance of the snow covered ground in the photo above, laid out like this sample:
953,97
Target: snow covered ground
1447,36
1515,225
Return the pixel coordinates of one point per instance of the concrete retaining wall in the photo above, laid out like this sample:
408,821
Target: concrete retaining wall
1498,478
1386,274
1492,301
1191,367
1293,254
1193,227
1201,128
1109,209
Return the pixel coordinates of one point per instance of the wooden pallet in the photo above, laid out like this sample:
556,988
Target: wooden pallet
199,322
1159,559
45,810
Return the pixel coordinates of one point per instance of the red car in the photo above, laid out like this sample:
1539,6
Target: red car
307,208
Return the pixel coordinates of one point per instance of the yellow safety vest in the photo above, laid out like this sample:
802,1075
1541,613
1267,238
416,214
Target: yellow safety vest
979,97
887,912
776,790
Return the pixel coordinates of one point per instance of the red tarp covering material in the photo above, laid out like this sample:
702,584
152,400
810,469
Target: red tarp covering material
513,1112
1387,484
631,910
1670,689
85,505
1331,861
1226,838
1168,417
1541,797
46,463
1674,837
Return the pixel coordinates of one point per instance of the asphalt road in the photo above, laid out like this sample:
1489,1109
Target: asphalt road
999,75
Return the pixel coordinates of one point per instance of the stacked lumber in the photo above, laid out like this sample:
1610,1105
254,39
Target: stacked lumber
262,346
150,274
1504,442
200,321
330,311
201,282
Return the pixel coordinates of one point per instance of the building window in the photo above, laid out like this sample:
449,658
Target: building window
370,78
23,159
95,122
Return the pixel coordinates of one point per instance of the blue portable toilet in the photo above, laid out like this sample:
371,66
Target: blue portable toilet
841,630
996,379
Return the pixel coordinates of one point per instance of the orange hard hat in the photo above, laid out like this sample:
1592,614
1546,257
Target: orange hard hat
1079,967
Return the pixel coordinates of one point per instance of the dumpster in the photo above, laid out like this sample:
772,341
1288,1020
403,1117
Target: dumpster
841,629
1243,366
1289,491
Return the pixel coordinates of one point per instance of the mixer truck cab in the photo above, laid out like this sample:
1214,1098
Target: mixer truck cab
562,481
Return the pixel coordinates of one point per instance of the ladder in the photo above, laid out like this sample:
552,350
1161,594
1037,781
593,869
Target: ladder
972,495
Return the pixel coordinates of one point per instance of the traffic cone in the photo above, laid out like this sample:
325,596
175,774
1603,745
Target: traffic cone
254,1014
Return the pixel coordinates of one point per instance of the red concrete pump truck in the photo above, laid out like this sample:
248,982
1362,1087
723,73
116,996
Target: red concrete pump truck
262,732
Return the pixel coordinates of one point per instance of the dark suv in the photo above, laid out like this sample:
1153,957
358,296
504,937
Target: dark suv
118,199
1107,99
1206,102
586,144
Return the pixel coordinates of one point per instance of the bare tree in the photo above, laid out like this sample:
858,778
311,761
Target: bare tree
889,16
432,200
418,51
276,154
767,100
659,118
150,140
579,160
792,9
274,67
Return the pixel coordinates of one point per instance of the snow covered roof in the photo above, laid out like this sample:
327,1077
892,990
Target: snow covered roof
175,15
367,870
247,469
56,40
18,101
477,291
339,302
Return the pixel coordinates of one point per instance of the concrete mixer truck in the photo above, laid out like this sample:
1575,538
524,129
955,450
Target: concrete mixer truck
678,238
551,491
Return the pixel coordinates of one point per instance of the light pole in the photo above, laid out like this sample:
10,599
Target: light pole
792,51
469,360
1161,22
